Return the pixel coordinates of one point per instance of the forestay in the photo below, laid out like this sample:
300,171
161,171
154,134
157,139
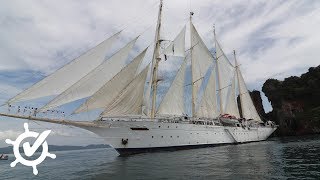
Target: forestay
130,100
65,77
106,94
173,101
94,80
177,46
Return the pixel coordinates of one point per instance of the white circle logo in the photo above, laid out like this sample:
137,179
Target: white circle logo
30,150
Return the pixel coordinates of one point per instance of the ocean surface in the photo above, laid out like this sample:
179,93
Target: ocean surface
277,158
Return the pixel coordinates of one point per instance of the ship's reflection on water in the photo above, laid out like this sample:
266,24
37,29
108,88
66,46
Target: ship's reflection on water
276,159
293,158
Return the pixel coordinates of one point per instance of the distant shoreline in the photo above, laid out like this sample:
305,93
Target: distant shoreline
9,150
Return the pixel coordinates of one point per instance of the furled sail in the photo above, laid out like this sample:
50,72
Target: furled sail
130,100
69,74
177,46
208,105
248,109
111,89
94,80
173,101
231,106
201,60
224,68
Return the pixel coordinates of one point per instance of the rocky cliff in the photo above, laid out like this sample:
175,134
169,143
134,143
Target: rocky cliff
295,102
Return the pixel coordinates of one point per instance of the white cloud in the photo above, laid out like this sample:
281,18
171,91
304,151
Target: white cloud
9,134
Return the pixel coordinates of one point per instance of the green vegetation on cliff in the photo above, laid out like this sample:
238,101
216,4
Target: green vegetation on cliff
295,102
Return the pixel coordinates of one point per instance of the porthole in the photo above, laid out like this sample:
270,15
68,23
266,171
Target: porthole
168,126
161,136
152,136
159,126
171,136
177,136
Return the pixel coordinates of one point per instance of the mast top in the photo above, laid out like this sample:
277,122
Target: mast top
235,59
191,14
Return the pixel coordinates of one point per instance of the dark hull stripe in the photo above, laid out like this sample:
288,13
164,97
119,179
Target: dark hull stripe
131,151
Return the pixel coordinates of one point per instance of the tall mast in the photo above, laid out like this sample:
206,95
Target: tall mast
155,62
192,84
217,65
238,79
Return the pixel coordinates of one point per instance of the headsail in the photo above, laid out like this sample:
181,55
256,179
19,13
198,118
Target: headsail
208,106
201,60
106,94
248,109
130,100
224,67
69,74
94,80
177,46
231,106
173,101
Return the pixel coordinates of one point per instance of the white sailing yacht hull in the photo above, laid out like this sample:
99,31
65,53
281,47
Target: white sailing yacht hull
129,137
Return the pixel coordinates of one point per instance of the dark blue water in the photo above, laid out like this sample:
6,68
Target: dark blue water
287,158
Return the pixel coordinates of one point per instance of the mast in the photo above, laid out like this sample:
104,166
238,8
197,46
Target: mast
155,62
238,79
192,78
219,79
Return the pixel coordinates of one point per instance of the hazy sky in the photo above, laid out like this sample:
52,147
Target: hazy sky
273,38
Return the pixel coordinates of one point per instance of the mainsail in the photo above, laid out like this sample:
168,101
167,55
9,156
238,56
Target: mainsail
201,60
130,100
208,105
177,46
65,77
247,107
173,101
94,80
106,94
231,106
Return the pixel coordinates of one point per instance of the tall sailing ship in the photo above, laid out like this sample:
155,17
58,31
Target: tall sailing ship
131,120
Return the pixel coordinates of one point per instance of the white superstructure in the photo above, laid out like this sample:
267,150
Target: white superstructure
130,120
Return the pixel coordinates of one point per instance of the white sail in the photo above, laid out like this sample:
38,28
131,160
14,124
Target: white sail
201,60
231,106
69,74
173,101
130,100
94,80
248,109
208,105
224,68
106,94
177,46
146,96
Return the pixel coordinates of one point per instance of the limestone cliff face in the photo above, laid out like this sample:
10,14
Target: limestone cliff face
295,102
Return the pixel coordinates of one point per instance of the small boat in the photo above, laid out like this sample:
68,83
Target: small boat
4,157
229,120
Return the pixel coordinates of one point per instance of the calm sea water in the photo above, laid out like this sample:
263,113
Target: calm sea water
286,158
